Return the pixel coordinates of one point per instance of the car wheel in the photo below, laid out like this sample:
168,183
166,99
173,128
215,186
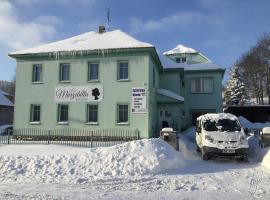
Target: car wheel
205,156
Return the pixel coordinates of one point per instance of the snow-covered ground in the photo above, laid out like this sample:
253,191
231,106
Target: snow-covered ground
145,169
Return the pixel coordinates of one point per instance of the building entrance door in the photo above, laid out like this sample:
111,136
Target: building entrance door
165,118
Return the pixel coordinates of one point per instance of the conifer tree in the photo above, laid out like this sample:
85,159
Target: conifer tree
235,92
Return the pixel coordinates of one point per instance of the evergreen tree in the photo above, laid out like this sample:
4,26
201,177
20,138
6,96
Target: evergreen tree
235,92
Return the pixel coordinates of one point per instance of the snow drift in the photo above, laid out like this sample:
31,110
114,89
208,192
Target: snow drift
136,158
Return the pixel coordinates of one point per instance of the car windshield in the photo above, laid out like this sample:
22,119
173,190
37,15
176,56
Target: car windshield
222,125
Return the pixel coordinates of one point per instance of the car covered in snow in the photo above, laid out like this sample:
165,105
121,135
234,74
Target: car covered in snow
219,135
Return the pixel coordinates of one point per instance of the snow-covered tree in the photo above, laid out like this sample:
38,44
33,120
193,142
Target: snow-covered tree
235,92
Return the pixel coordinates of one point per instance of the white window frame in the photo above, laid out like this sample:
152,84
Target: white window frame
88,121
119,78
61,72
118,113
34,73
96,70
59,121
32,113
202,81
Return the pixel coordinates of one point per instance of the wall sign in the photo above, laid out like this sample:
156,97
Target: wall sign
138,104
78,93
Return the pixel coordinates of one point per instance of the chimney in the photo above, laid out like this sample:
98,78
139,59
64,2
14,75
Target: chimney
101,29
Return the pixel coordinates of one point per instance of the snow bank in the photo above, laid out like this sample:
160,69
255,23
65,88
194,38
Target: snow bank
266,158
70,164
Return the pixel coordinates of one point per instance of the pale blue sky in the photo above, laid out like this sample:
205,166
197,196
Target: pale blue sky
222,30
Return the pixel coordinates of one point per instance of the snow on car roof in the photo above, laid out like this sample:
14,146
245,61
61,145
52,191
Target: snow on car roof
89,41
217,116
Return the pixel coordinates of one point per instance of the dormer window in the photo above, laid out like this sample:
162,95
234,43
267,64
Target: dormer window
184,59
181,59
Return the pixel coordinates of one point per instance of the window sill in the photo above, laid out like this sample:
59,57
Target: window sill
123,80
64,81
92,123
35,123
93,81
37,82
62,123
122,123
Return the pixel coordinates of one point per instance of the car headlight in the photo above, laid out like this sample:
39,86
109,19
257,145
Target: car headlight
209,139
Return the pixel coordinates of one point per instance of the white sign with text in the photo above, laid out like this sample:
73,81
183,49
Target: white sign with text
78,93
138,104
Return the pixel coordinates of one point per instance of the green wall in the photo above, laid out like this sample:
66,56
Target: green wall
114,91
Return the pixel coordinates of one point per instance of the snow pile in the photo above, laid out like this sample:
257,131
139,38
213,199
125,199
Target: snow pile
266,158
180,49
69,164
89,41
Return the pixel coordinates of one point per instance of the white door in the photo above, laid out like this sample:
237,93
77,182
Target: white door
165,118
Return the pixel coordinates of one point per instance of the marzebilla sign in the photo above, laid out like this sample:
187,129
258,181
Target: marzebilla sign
138,100
78,93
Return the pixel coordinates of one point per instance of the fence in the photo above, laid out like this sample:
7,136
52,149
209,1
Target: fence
70,137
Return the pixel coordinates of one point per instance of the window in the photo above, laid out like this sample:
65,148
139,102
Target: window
93,71
37,73
62,113
92,113
64,72
184,59
181,59
154,77
122,71
202,85
35,113
122,113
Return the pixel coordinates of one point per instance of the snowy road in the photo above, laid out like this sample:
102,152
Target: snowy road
124,172
225,181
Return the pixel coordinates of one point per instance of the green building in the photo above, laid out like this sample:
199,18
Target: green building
101,80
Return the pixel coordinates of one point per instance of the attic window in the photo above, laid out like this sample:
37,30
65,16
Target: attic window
181,59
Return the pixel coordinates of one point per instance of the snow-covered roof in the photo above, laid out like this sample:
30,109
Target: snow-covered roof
217,116
168,63
89,41
170,94
4,101
180,49
202,66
